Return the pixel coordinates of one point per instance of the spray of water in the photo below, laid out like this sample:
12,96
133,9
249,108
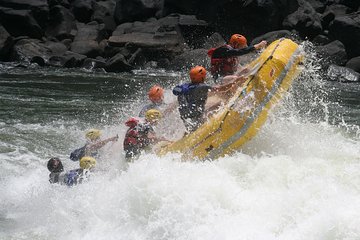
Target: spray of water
297,179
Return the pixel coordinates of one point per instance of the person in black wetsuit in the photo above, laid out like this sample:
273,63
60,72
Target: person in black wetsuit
224,59
192,97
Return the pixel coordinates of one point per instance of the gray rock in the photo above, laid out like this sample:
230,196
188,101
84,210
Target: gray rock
305,20
189,59
87,39
354,64
215,40
272,36
39,9
6,43
68,59
27,49
20,23
346,28
332,53
136,10
61,23
83,10
118,63
342,74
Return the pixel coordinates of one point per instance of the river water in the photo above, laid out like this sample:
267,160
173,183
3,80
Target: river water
299,178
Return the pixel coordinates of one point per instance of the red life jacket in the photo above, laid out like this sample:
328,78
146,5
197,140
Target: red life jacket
135,135
222,66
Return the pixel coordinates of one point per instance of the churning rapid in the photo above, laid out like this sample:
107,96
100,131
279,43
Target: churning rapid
299,178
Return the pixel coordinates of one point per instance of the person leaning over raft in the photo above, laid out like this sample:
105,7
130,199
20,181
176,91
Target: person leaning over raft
72,177
224,59
93,144
140,136
192,97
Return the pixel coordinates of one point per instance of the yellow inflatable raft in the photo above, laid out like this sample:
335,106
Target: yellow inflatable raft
246,111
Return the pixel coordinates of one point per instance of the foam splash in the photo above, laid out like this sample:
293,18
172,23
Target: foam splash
297,179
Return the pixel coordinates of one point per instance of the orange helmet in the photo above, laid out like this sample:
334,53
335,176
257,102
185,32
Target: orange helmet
197,74
238,41
156,93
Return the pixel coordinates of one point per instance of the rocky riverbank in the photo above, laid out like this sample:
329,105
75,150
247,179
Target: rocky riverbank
122,35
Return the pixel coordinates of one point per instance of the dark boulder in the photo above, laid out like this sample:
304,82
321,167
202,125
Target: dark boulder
318,5
346,28
338,9
215,40
162,38
118,63
272,36
20,23
354,64
6,43
305,20
28,49
91,63
104,13
68,59
83,10
136,10
64,3
61,23
87,39
189,59
39,9
57,48
321,40
250,18
332,53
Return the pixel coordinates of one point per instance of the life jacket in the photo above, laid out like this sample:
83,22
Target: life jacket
136,136
222,66
189,105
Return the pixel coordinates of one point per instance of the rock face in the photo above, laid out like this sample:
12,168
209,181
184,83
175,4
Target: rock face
6,43
346,28
87,39
120,35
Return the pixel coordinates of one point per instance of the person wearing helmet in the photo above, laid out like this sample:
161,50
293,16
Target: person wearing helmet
141,135
192,97
156,97
93,144
224,58
71,177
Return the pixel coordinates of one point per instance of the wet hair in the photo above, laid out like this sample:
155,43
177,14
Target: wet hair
53,167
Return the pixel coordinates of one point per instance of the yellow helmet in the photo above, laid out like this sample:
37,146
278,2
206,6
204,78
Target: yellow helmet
87,162
93,134
153,115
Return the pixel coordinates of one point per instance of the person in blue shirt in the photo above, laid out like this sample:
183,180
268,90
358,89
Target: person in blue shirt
192,97
72,177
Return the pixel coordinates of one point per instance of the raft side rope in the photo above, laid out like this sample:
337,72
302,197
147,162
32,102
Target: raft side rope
242,93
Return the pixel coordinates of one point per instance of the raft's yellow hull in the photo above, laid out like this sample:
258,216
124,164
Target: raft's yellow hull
245,112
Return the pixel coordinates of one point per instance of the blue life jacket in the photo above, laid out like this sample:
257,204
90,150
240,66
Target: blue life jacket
71,177
192,98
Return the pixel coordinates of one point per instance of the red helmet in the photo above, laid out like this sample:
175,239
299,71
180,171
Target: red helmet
238,41
132,122
197,74
156,93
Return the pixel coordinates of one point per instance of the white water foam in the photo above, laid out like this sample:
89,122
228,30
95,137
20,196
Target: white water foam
297,179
